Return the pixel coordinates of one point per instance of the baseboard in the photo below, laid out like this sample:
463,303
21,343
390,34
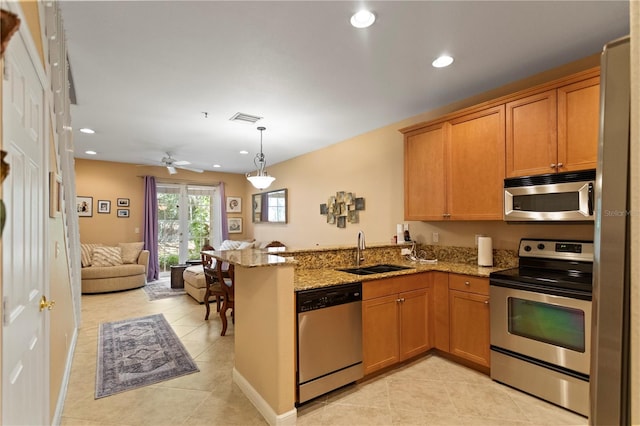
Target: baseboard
62,395
287,419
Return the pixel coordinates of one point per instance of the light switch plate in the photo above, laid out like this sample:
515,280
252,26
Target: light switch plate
435,237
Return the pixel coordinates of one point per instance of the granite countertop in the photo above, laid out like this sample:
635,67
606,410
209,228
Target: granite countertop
315,278
251,258
309,278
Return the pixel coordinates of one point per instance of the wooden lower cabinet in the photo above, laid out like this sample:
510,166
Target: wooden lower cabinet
405,316
395,325
469,326
414,323
380,333
440,290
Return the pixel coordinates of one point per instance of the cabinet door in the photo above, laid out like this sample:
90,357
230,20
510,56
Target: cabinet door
531,139
424,174
414,323
476,166
441,310
380,339
578,117
469,320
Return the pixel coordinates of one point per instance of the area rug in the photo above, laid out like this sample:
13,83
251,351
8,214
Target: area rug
161,289
138,352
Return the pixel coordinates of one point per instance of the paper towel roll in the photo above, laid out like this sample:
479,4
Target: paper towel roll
485,251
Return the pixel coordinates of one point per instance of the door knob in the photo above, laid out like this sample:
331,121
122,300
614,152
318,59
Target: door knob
44,304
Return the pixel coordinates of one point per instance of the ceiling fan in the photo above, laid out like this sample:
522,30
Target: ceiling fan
172,164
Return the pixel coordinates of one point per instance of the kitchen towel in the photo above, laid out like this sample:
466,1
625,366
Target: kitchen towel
485,251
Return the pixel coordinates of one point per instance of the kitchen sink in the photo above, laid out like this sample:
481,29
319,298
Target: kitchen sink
374,269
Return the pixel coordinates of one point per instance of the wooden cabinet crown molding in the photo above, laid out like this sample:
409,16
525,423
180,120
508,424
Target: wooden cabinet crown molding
539,88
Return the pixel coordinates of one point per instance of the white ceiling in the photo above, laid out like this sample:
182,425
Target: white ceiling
145,71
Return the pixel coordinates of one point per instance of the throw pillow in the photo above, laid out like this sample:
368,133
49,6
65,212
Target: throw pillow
130,251
245,244
235,245
106,256
86,252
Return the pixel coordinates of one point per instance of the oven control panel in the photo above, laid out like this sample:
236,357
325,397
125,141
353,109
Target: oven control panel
581,251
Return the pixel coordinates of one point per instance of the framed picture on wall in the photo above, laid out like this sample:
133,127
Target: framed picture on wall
104,206
123,212
84,206
234,225
234,205
123,202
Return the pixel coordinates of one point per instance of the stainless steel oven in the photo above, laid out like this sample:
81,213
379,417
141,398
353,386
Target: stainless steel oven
552,197
541,322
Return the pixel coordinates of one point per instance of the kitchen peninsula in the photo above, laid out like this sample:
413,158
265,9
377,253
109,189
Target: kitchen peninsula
266,282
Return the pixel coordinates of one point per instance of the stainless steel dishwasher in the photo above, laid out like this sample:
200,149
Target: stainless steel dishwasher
329,339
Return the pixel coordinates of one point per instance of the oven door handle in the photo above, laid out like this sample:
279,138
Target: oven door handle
537,288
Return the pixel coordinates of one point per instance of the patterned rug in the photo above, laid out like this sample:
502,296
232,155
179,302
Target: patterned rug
138,352
161,289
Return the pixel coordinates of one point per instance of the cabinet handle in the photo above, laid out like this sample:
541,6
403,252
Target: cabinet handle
552,165
486,302
467,283
400,300
560,165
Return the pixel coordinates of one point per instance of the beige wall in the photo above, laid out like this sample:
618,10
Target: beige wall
105,180
371,165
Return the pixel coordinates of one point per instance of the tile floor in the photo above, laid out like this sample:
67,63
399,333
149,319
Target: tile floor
429,391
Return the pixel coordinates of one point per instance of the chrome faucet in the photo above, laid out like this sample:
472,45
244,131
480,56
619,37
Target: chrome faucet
360,248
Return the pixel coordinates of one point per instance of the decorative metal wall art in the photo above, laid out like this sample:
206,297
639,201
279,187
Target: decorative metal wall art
342,208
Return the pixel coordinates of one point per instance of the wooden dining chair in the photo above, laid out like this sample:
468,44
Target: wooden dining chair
211,279
228,280
274,244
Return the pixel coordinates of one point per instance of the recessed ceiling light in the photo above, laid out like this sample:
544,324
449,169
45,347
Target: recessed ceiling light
243,152
87,130
442,61
363,19
90,152
216,166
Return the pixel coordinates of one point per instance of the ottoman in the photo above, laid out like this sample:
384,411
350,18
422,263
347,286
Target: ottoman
194,283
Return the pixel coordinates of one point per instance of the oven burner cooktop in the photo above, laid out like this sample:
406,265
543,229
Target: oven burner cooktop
561,279
551,263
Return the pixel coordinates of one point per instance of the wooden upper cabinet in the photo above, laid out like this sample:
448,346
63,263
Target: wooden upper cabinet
554,131
531,139
578,118
425,174
476,165
455,165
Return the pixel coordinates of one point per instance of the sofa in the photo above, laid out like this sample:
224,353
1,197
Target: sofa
106,269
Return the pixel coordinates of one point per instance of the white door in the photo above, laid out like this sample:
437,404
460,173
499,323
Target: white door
25,362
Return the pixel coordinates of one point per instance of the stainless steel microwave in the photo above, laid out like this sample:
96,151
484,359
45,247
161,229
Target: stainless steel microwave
553,197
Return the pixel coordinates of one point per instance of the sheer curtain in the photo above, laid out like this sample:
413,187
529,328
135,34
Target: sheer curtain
151,226
224,229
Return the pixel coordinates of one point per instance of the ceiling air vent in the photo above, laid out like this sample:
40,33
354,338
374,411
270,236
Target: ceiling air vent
248,118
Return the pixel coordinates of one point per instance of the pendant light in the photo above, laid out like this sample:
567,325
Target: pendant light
261,180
